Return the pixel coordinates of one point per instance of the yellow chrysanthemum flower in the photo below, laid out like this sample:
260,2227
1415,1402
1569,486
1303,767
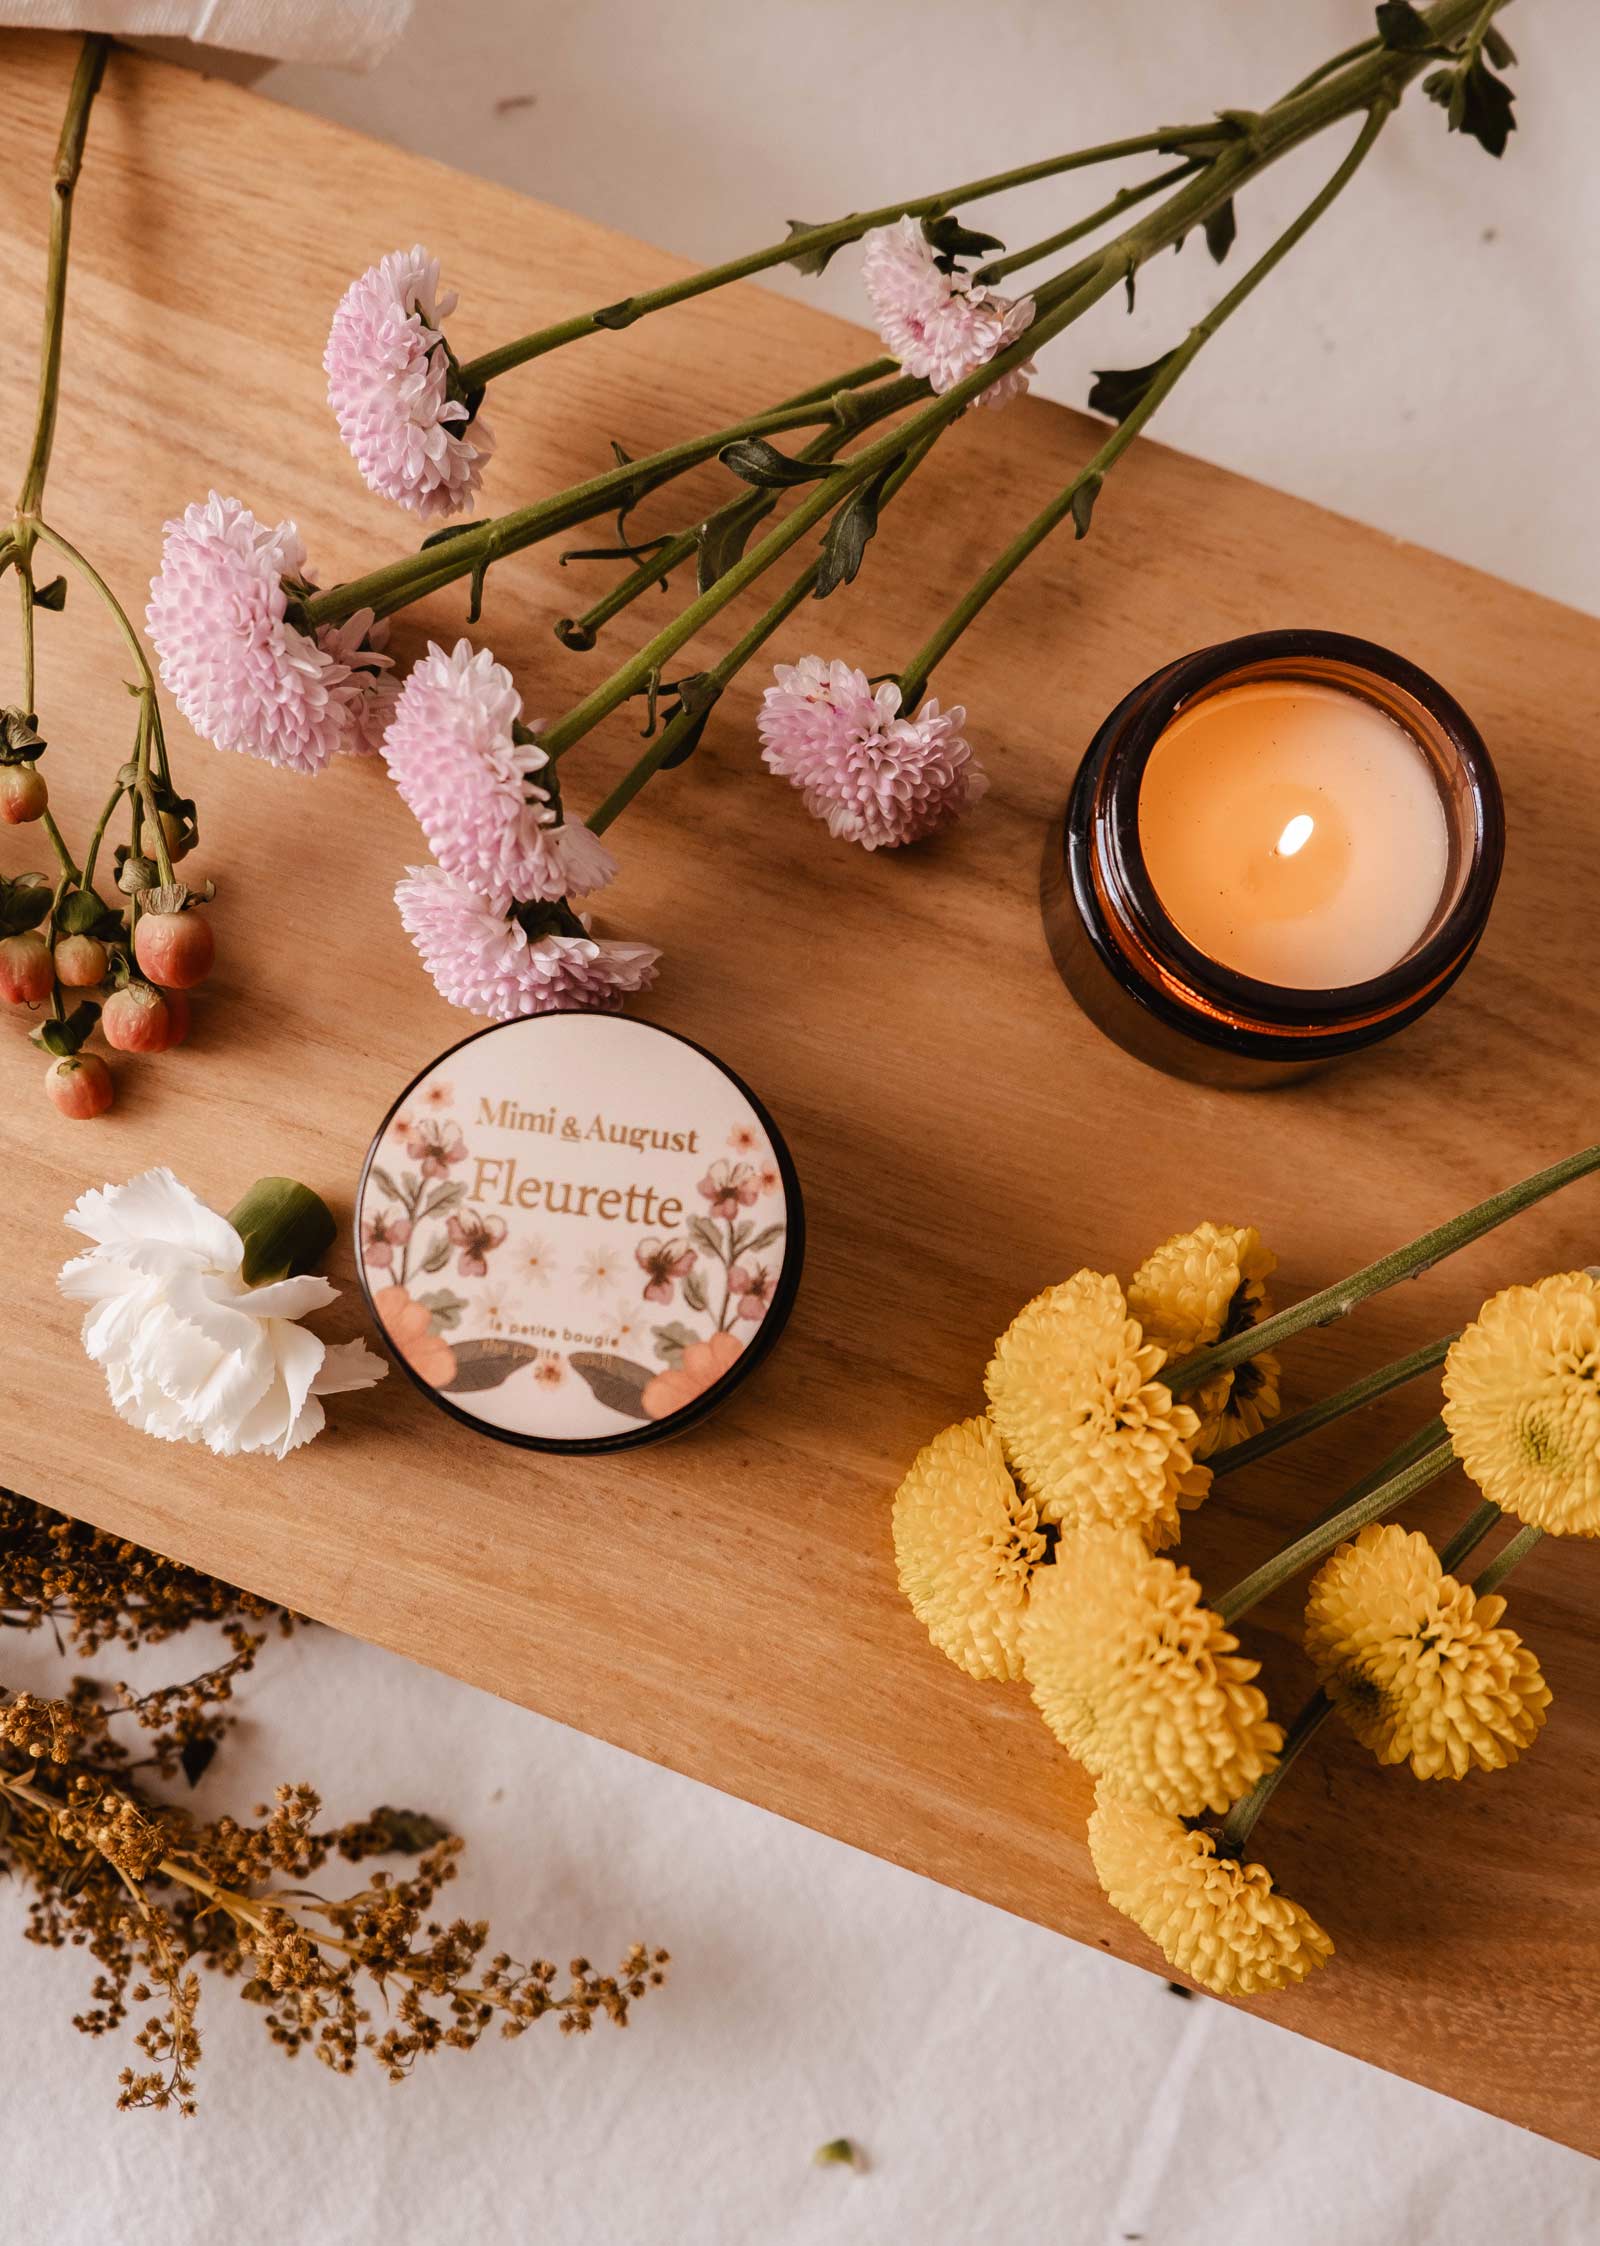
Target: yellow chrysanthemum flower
966,1540
1220,1922
1205,1286
1140,1680
1094,1436
1522,1402
1415,1663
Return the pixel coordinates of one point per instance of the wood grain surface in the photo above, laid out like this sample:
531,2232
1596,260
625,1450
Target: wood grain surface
726,1604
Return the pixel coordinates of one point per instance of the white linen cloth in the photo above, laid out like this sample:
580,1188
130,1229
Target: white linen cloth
349,34
1009,2088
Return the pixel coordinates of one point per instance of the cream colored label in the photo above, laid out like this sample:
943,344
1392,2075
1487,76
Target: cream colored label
573,1227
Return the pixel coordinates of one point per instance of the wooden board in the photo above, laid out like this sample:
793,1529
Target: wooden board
726,1604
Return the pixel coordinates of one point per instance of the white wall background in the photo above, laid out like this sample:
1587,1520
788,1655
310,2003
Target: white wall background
1426,362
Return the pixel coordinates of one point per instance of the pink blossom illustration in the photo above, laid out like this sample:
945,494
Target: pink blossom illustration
477,1237
729,1187
744,1140
750,1290
434,1147
381,1234
664,1263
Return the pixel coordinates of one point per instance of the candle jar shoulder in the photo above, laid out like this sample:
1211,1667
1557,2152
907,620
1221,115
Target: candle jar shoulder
1248,969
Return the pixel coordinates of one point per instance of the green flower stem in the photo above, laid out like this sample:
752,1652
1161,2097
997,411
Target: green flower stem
754,506
92,577
810,241
69,160
1503,1562
677,727
1417,1445
919,671
1356,1397
1478,1524
491,540
1125,199
1409,1262
1240,1821
1374,81
95,840
1369,1502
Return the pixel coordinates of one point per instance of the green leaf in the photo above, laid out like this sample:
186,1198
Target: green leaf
287,1230
24,902
486,1362
455,530
671,1341
441,1198
721,539
1083,499
437,1256
385,1184
694,1292
67,1037
617,1382
948,238
1117,390
1498,47
1220,229
1404,30
446,1308
1476,102
759,463
763,1239
812,261
849,534
697,698
53,595
706,1237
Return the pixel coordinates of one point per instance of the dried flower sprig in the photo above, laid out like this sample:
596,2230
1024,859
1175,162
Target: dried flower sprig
883,763
1025,1544
153,1893
61,940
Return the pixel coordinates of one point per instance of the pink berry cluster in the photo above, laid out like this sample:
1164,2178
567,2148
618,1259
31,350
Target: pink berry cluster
124,972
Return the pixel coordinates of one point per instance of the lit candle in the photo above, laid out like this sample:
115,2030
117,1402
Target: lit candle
1276,851
1294,832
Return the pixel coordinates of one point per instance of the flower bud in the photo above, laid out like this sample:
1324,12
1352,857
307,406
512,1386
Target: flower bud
174,948
23,794
135,1020
80,1086
27,972
81,962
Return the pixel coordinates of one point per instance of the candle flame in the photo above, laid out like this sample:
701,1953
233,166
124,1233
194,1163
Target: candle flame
1296,834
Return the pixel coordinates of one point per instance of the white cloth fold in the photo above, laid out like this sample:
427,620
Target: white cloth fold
349,34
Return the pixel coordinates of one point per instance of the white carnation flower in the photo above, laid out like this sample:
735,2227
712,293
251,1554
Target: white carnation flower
191,1353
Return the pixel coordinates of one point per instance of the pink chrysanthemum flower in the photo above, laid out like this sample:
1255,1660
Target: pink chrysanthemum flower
485,959
242,675
454,752
389,369
876,778
939,325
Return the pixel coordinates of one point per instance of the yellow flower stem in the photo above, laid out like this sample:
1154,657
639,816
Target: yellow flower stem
1500,1567
1369,1501
1240,1821
1409,1262
1478,1524
1366,1390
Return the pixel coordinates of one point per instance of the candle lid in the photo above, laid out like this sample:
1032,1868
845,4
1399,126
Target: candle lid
579,1232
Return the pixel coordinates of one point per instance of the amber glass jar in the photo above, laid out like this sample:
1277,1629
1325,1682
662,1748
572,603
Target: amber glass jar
1136,975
